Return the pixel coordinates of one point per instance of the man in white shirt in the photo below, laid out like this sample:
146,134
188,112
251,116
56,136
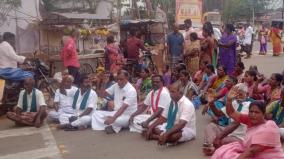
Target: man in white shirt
157,100
216,135
248,40
84,102
31,107
178,121
125,104
63,99
9,60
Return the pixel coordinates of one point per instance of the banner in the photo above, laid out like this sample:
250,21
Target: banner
189,9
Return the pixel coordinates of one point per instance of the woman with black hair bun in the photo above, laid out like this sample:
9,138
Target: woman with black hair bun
207,45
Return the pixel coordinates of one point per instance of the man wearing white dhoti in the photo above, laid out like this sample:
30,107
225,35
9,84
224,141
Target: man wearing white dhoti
156,101
177,123
125,103
63,99
84,102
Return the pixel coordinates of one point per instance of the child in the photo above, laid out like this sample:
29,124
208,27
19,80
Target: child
166,75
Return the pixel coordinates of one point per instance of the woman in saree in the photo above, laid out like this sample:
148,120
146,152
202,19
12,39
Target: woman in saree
144,84
192,54
262,139
114,60
217,82
262,38
271,89
276,40
228,46
207,45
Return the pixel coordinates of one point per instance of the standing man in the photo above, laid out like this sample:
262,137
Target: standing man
175,42
156,102
178,122
248,40
69,57
31,107
84,102
133,46
188,29
125,104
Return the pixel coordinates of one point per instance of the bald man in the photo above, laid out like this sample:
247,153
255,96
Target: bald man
125,104
177,123
63,99
31,107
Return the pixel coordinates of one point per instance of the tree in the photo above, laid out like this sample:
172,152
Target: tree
6,6
242,10
78,5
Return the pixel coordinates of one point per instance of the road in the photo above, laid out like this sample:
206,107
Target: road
49,143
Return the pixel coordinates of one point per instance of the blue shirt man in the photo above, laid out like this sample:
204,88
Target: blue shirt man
175,43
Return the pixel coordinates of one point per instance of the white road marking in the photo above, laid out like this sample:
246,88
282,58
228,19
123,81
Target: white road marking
33,154
50,151
18,132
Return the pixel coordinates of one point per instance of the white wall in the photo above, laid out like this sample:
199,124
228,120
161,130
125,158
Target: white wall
26,36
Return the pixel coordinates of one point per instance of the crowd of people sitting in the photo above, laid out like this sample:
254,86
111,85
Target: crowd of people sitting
245,107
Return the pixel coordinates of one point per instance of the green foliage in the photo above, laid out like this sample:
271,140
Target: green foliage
242,10
90,5
49,4
13,3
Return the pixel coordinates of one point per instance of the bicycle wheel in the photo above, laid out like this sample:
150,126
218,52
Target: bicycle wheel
86,69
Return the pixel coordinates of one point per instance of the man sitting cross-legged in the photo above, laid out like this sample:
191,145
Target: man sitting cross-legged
31,107
125,104
63,99
84,102
178,122
156,100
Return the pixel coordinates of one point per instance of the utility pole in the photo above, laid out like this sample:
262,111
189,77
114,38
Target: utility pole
17,41
282,9
253,15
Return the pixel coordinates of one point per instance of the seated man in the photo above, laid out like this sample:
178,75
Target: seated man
156,100
125,104
84,102
220,135
275,111
63,99
31,107
178,122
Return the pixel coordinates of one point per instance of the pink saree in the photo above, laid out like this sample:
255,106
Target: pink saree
266,135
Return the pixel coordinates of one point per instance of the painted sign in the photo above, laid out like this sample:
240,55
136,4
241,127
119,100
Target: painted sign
189,9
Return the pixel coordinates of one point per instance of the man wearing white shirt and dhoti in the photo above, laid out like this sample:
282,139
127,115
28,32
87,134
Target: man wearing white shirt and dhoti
156,101
31,107
125,104
63,99
178,121
84,102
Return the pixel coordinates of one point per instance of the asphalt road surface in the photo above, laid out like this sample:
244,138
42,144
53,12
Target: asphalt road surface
49,143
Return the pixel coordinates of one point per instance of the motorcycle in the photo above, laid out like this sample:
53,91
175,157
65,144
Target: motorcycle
12,88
